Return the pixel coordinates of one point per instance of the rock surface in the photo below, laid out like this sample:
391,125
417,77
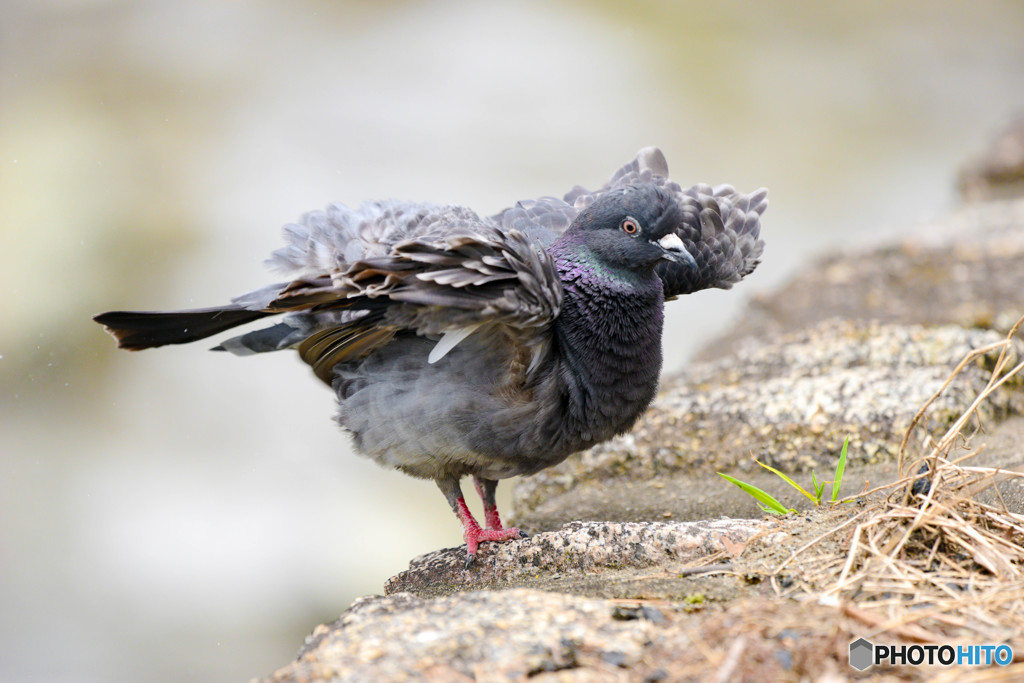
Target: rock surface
853,346
522,634
567,559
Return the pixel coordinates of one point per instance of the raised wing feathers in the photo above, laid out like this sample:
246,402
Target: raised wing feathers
721,230
720,226
430,285
461,279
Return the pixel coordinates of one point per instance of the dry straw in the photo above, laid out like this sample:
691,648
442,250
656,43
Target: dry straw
929,562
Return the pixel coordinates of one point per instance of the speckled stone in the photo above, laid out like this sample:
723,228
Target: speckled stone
529,635
482,636
578,547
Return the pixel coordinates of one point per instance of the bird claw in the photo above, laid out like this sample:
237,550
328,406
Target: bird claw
493,535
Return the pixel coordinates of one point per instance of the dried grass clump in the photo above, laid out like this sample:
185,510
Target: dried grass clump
929,562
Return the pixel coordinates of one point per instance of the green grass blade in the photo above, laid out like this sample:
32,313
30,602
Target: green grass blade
759,495
819,487
789,481
840,468
768,509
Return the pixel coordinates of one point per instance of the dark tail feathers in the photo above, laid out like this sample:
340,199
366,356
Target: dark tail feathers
137,330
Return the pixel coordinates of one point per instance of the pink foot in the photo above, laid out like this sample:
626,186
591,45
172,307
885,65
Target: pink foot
474,535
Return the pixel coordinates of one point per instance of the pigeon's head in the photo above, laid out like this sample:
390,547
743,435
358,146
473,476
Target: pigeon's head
633,228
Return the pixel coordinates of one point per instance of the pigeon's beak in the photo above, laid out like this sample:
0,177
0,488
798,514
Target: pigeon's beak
674,250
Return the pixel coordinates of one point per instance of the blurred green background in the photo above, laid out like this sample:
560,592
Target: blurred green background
179,514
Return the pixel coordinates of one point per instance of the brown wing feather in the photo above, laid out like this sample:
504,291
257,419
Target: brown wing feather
326,348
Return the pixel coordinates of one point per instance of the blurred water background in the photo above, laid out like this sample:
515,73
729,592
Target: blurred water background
178,514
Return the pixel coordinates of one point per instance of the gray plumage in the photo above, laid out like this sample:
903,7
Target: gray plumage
461,345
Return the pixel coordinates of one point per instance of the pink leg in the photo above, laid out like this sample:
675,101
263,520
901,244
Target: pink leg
491,515
471,531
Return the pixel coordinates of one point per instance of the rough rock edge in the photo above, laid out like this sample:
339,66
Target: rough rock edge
523,634
576,547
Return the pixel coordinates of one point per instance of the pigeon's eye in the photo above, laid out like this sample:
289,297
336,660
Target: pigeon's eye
630,226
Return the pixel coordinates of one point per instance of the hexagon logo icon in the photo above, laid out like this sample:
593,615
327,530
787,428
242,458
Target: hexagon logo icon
862,654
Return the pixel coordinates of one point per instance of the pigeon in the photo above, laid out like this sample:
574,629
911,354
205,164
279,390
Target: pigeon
485,347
